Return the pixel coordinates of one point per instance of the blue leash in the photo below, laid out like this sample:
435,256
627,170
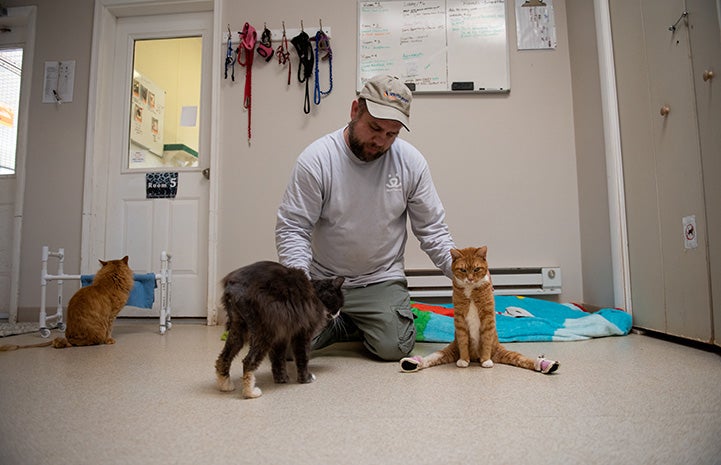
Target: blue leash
322,43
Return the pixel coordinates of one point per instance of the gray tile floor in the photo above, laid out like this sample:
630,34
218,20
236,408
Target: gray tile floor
151,399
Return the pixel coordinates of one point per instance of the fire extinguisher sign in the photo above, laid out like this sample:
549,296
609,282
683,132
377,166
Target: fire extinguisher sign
689,232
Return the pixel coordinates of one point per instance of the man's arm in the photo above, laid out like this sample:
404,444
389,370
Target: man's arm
298,212
427,217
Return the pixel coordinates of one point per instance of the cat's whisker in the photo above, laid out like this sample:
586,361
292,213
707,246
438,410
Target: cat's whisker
339,325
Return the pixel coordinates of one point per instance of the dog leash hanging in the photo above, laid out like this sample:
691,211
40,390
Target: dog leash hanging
302,45
322,44
265,45
248,38
283,52
229,58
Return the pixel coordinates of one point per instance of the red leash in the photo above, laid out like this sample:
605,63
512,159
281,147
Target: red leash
248,39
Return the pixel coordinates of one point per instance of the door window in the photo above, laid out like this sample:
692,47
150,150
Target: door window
165,104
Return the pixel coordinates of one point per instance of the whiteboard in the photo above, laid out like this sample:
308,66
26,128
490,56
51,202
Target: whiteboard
435,45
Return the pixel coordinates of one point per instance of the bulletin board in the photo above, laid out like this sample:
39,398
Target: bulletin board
147,110
435,45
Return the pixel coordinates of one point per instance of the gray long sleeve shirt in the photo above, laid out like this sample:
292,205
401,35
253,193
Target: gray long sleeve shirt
341,216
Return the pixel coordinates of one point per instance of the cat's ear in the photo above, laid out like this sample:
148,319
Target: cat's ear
338,282
482,251
125,259
455,254
102,263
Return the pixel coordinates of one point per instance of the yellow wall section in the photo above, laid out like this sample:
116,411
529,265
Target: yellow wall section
174,65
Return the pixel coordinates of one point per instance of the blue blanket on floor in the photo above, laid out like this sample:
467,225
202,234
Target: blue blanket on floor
143,293
525,319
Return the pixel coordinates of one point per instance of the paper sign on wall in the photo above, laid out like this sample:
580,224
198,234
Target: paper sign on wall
59,81
535,25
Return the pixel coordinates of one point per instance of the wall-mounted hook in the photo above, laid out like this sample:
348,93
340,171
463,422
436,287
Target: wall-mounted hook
708,75
320,23
301,25
672,27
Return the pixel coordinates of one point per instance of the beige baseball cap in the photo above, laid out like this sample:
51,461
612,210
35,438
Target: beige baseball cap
388,98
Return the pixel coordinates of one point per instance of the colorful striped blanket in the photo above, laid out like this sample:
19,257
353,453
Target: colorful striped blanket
526,319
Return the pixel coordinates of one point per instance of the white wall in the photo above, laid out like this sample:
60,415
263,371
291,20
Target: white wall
56,146
504,165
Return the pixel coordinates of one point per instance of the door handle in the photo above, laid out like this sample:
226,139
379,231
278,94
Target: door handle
206,173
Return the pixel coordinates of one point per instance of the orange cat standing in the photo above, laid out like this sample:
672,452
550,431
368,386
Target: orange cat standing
92,309
476,338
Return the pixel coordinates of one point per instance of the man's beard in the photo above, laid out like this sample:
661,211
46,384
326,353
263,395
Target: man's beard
358,148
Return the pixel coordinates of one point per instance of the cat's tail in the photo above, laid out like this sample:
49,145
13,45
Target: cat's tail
61,343
9,347
446,355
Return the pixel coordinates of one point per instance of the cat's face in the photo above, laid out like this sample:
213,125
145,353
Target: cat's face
469,265
329,292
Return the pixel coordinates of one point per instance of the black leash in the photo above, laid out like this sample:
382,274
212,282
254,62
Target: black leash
302,45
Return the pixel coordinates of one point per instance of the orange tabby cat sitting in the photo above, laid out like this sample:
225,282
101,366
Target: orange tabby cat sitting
92,309
474,321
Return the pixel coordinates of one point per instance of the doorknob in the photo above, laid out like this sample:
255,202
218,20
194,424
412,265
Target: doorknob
206,173
708,75
665,110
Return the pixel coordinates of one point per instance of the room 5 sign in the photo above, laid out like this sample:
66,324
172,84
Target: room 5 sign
162,185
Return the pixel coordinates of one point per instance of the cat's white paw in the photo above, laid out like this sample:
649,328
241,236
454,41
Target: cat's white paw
225,384
309,379
487,364
411,364
462,363
250,390
252,393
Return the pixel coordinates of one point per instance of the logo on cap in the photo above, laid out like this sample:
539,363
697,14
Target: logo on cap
395,96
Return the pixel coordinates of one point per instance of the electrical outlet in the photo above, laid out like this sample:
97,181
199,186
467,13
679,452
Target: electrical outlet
689,232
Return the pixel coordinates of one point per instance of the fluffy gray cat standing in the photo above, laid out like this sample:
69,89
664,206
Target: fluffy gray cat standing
273,308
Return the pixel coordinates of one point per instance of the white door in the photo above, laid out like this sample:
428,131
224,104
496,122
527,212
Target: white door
137,225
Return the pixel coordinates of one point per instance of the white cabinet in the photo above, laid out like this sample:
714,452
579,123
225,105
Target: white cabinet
670,121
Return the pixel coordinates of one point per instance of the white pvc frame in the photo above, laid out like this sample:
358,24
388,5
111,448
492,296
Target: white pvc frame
164,278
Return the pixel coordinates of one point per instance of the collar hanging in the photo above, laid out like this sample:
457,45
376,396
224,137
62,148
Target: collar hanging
230,58
283,52
265,45
302,45
322,45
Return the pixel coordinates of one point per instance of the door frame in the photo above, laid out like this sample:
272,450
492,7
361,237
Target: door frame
26,17
95,178
614,159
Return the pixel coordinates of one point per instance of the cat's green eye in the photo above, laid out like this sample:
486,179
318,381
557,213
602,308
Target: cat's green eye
463,270
477,269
